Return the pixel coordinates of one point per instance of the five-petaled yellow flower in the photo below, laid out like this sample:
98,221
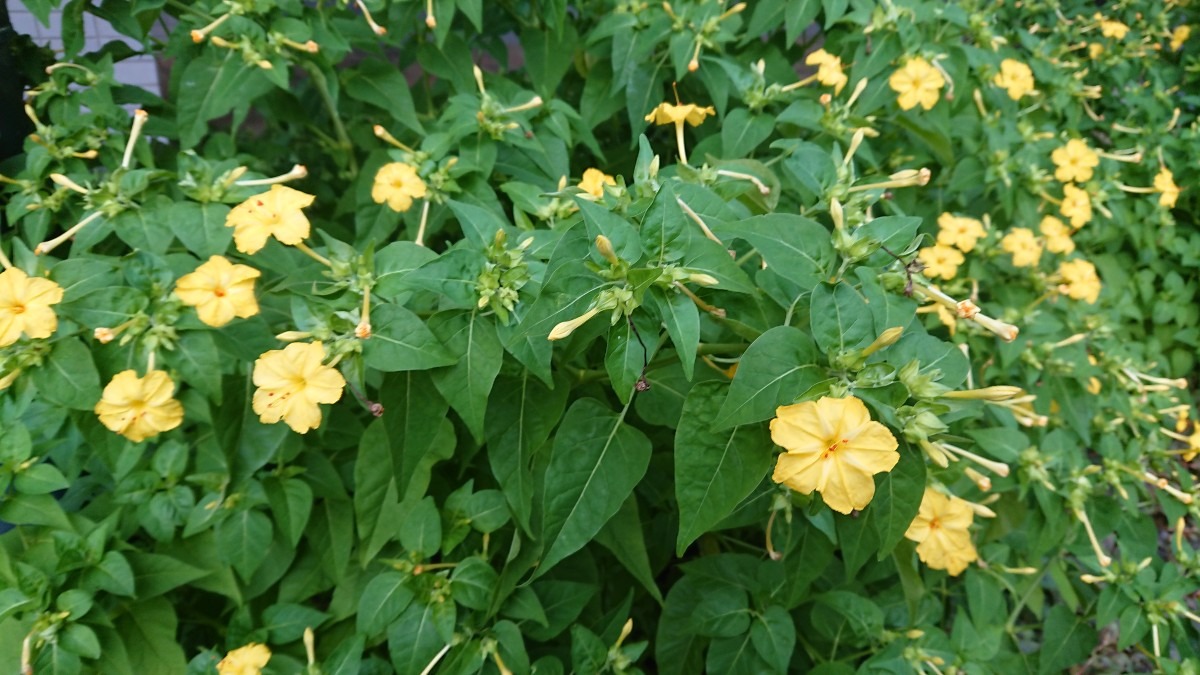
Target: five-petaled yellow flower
942,532
292,382
1164,182
667,113
962,233
1075,161
1111,28
917,83
834,447
829,69
1076,206
275,213
1080,281
1016,77
25,306
1057,234
220,291
397,184
248,660
1180,36
593,182
940,260
139,407
1024,246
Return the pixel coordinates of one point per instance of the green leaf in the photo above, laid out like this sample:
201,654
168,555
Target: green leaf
401,341
12,600
627,356
479,225
421,531
201,227
291,504
596,462
779,366
40,479
148,631
473,583
742,131
154,574
714,469
383,85
857,538
623,536
471,339
682,320
413,639
68,376
621,234
243,539
841,319
1068,641
215,83
897,498
382,601
286,621
112,574
795,247
199,362
394,261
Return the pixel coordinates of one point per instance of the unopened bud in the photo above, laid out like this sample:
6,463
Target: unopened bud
703,279
604,246
997,393
293,335
886,339
836,213
565,328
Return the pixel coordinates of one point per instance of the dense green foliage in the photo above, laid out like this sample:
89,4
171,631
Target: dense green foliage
515,403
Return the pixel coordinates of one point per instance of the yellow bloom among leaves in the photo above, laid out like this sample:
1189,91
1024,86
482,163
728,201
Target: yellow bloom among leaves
1016,77
593,182
1075,161
833,447
829,69
918,83
139,407
942,532
1076,206
1179,36
962,233
1164,182
668,113
25,306
1080,281
1111,28
397,184
1024,246
940,261
248,660
292,382
220,291
275,213
1057,234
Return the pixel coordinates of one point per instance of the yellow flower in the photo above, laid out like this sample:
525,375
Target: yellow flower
292,382
917,83
942,532
834,447
1057,234
248,660
1024,246
1076,206
1164,182
1180,36
594,181
220,291
139,407
829,69
273,213
7,380
1079,280
1075,161
1016,77
25,306
1110,28
397,184
940,261
691,113
962,233
1095,50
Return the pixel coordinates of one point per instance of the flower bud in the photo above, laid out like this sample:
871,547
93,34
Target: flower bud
293,335
997,393
703,279
886,339
604,246
565,328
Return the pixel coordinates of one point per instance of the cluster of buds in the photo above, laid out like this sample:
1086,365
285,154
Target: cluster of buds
705,29
503,276
494,118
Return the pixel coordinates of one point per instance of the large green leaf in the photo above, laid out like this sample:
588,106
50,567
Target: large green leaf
596,462
382,85
779,366
401,341
215,83
841,319
471,339
68,376
714,469
794,246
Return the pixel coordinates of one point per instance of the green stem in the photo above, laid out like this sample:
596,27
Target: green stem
1035,585
339,129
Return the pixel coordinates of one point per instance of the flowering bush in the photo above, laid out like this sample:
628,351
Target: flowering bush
607,337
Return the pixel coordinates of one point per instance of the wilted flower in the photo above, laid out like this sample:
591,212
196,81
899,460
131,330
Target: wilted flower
1075,161
248,660
1016,77
139,407
1025,248
940,261
292,382
397,185
220,291
918,83
942,532
25,306
833,447
276,213
962,233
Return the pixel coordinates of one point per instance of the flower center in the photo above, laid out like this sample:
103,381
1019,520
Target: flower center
219,291
17,308
934,524
833,448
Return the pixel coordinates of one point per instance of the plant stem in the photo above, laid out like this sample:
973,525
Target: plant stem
344,144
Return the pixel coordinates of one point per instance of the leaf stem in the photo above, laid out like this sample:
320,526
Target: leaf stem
344,143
